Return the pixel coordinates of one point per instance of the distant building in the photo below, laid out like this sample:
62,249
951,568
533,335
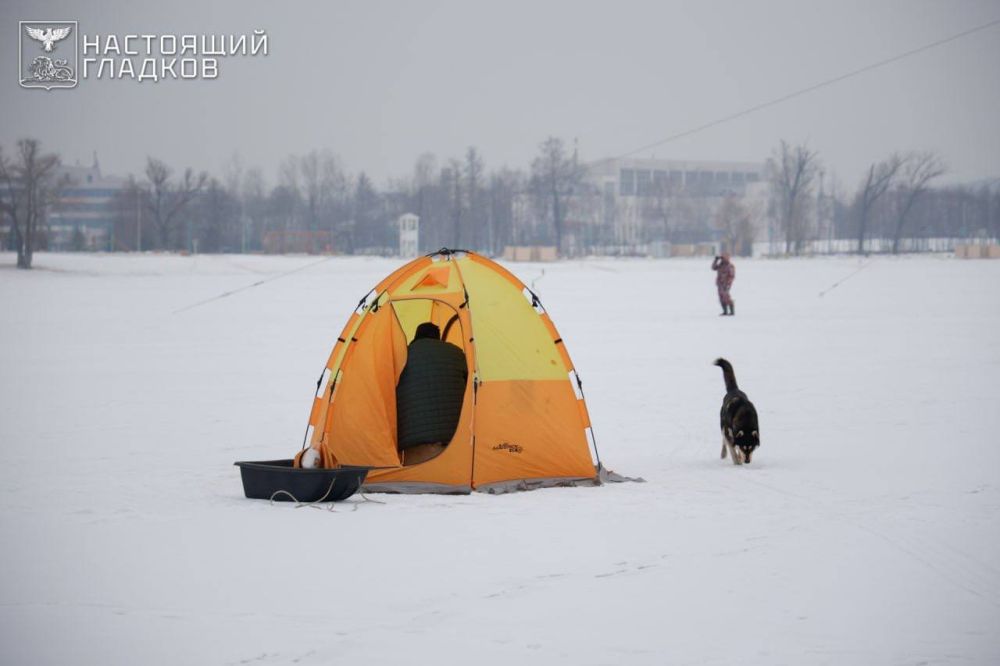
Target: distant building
641,199
84,215
637,206
409,236
637,177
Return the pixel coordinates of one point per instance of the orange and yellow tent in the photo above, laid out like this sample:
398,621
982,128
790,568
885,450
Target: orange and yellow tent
523,422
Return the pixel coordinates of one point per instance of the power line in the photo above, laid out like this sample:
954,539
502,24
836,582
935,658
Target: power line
817,86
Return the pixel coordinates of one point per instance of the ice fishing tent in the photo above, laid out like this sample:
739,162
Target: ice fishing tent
523,422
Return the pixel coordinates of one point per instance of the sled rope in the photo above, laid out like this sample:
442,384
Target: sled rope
299,504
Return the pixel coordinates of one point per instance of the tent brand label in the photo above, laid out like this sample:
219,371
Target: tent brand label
507,446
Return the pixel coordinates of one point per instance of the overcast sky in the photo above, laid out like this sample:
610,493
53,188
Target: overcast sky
379,83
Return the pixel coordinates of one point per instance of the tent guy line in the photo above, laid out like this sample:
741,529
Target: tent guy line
251,286
843,280
822,84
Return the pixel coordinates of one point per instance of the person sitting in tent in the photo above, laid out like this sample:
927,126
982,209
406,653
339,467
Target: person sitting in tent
725,273
429,395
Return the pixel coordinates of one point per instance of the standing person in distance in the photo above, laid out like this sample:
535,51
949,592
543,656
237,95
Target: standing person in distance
725,273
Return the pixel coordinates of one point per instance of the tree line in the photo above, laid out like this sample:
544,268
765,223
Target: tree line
897,197
317,204
884,201
459,202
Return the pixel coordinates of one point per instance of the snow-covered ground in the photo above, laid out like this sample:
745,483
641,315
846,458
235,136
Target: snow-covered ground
866,531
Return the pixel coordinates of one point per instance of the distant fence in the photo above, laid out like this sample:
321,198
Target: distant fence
653,249
530,253
664,250
297,242
872,245
977,251
835,246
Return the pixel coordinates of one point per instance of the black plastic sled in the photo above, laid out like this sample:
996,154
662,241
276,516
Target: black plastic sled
264,479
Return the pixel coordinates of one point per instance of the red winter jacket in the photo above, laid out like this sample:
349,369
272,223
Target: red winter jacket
725,272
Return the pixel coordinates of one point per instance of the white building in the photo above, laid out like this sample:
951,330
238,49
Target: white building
409,236
635,191
85,207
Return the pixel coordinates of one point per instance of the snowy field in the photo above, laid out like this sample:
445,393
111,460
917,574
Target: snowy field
866,531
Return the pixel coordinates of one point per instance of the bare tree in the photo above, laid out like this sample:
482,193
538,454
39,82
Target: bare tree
555,176
690,217
878,180
918,171
424,198
322,181
791,171
658,209
166,199
477,217
504,187
279,218
991,194
233,174
286,201
217,212
451,179
31,187
129,221
371,232
253,200
733,219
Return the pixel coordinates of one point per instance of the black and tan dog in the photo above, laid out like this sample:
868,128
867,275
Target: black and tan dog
738,419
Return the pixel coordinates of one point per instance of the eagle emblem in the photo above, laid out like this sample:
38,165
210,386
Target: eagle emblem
49,54
49,36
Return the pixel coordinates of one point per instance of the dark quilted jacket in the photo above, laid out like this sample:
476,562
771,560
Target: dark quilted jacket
429,393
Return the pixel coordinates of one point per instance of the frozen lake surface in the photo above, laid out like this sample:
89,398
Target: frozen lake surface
866,531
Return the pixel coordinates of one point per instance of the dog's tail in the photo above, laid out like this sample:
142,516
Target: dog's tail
727,373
